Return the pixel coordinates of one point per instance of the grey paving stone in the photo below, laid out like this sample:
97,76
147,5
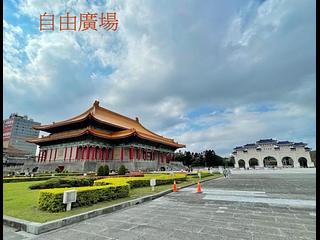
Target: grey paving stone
152,232
188,216
298,233
181,235
71,234
311,228
260,236
121,234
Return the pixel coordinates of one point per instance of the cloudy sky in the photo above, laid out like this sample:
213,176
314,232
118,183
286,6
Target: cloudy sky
210,74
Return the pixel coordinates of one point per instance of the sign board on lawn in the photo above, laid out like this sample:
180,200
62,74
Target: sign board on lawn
69,197
152,183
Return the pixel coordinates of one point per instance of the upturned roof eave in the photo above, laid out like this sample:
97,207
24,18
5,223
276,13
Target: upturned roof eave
112,136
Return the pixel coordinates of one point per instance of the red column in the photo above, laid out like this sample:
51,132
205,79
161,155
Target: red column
77,154
139,153
65,153
161,157
82,151
93,152
107,153
153,154
131,153
112,153
122,154
100,153
88,152
144,154
55,154
70,154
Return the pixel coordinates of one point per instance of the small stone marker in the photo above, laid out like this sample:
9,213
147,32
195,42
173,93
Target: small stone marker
152,183
84,174
69,197
199,174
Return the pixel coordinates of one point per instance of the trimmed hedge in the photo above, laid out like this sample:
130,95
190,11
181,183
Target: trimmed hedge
203,174
103,190
63,182
51,199
59,174
136,182
24,179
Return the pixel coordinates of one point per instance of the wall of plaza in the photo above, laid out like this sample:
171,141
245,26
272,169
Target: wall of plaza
281,154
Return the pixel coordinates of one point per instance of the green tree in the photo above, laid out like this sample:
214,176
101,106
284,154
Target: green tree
209,158
187,159
103,170
100,171
122,170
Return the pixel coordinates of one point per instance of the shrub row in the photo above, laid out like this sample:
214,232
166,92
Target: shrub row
59,174
104,189
51,199
203,174
63,182
25,179
136,182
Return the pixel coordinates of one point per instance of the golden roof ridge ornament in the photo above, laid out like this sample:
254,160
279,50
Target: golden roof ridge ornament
95,105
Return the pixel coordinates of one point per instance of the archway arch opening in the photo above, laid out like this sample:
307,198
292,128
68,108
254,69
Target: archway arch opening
287,162
253,162
242,163
303,162
270,162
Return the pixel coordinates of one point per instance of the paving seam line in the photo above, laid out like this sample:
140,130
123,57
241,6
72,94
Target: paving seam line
38,228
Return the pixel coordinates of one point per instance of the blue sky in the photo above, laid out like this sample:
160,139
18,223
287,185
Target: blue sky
211,75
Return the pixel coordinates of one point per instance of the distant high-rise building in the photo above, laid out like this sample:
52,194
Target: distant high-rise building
16,129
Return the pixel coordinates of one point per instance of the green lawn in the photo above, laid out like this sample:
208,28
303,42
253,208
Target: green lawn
21,202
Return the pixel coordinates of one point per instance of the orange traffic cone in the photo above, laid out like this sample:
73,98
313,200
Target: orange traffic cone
199,187
174,187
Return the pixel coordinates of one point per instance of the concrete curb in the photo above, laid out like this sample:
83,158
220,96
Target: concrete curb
38,228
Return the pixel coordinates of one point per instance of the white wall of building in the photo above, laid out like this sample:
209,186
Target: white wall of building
268,150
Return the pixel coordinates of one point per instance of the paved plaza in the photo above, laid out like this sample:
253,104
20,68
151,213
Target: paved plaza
271,204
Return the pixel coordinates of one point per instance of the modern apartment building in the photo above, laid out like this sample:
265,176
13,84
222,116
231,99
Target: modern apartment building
16,129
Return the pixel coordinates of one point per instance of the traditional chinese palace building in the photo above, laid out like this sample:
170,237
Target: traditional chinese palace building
272,153
99,136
